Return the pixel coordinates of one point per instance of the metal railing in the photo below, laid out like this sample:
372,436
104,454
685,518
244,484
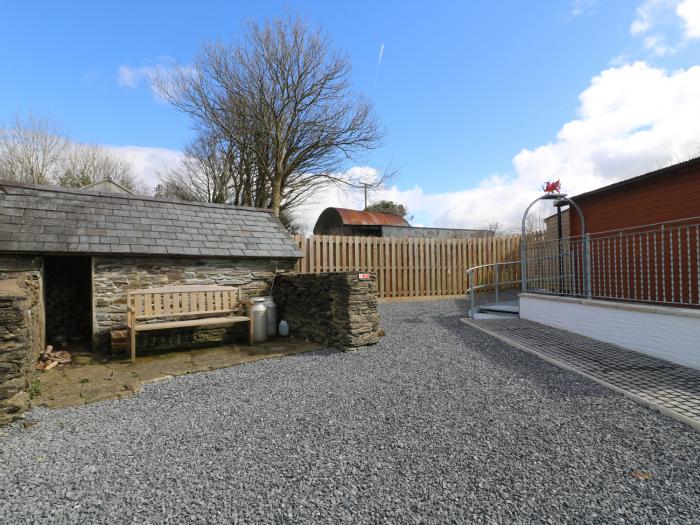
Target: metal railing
655,263
491,280
557,267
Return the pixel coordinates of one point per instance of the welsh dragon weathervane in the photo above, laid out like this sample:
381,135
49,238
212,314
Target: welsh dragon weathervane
552,187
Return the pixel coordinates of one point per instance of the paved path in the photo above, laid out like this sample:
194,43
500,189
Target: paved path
437,423
666,386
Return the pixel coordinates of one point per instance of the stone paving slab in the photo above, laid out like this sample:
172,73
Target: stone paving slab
671,388
96,378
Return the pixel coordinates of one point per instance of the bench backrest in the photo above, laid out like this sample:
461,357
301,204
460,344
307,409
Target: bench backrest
172,301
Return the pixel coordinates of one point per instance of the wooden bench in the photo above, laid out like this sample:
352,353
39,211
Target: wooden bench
183,306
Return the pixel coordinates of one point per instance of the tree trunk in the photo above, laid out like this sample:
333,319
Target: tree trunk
276,194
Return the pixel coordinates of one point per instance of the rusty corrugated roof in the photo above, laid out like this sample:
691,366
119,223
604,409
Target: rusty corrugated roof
369,218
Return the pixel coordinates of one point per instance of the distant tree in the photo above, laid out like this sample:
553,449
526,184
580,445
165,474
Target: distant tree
85,164
277,113
35,151
392,207
31,150
213,169
535,221
494,226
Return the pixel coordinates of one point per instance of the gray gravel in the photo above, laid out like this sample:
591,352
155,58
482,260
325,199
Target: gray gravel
436,423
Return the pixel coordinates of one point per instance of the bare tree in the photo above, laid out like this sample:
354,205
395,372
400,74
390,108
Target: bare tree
31,150
535,221
282,100
215,170
84,164
36,151
493,225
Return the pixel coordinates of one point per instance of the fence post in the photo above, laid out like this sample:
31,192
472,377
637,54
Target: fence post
523,263
587,265
496,281
470,279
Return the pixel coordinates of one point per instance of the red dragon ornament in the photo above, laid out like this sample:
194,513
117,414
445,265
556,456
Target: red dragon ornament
552,187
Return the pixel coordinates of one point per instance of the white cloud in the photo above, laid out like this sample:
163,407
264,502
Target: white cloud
631,119
381,56
133,77
657,45
648,14
582,7
361,174
130,77
689,12
666,25
148,162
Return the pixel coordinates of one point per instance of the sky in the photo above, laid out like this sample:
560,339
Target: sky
482,102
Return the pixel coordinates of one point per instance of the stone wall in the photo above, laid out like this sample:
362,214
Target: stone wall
335,309
21,331
113,276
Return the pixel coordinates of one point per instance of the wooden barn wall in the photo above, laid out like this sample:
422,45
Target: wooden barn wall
665,198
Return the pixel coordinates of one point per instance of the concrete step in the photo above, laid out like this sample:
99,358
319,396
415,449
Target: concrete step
495,315
501,307
503,310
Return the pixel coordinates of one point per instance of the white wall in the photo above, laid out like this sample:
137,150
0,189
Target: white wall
668,333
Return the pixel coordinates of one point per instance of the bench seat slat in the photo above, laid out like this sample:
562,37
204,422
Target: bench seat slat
191,322
183,306
182,314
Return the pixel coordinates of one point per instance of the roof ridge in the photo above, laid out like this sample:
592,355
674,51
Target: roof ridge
37,219
368,211
631,180
149,198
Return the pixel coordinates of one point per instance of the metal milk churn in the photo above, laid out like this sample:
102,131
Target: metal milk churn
271,316
259,315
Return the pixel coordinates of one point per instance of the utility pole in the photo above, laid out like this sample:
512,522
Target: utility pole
365,185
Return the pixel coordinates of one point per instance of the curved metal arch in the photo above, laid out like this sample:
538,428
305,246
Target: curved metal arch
560,197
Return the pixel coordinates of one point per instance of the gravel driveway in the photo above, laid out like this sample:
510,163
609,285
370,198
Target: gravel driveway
436,423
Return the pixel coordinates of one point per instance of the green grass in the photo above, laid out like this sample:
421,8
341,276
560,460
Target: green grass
34,389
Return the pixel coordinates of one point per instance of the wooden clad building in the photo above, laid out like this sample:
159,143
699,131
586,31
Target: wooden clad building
668,194
644,237
635,282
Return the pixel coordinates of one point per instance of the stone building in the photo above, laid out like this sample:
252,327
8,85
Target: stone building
108,186
67,258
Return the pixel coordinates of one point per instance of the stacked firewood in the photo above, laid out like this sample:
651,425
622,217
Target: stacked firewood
51,358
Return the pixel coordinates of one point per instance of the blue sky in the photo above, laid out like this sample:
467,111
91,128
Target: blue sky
462,88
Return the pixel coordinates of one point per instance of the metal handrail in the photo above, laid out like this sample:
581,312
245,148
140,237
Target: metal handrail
654,263
496,284
491,264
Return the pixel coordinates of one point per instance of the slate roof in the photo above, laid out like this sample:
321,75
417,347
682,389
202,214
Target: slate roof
45,219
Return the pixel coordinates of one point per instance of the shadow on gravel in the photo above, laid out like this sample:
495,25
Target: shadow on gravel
518,363
326,352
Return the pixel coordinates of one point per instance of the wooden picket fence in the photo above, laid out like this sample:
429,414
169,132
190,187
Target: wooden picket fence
406,267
